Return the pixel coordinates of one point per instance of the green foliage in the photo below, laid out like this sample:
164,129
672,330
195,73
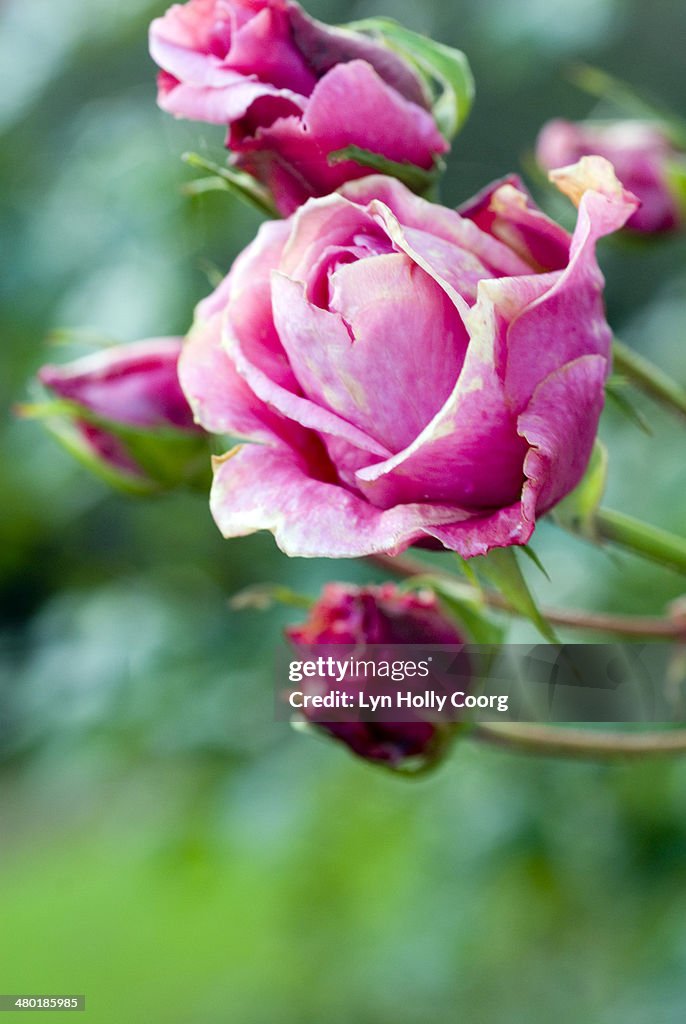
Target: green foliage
445,71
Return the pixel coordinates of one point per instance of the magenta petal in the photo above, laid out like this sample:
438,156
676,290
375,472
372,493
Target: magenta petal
326,46
246,295
469,455
350,105
480,534
506,211
260,487
353,105
567,320
560,425
263,46
134,384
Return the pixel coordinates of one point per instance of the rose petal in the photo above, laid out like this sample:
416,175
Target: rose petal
219,397
350,105
567,320
408,347
560,424
260,487
326,46
506,211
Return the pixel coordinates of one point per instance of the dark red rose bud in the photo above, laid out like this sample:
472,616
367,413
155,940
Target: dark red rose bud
375,622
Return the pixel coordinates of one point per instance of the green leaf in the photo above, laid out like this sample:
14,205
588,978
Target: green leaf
577,511
533,557
445,70
230,180
168,457
501,567
416,178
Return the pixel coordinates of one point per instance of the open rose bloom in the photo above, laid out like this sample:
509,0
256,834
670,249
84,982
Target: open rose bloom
641,154
403,373
292,91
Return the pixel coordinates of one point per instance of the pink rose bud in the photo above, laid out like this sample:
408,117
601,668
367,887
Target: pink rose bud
408,373
123,412
642,156
292,91
386,619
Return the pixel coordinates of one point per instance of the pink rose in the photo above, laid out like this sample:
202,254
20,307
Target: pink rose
292,91
386,619
122,411
407,372
640,152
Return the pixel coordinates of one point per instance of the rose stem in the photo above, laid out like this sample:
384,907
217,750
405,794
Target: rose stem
641,538
558,741
648,377
647,627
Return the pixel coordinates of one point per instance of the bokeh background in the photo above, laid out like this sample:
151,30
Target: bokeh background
167,848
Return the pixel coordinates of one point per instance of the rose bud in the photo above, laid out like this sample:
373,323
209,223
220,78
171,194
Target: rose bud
643,158
408,373
377,621
292,92
122,412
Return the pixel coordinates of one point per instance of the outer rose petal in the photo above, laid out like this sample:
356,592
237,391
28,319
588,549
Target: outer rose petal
134,384
568,320
260,487
378,119
480,534
220,399
560,424
326,46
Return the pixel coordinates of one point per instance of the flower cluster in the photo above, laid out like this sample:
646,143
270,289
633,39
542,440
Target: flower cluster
388,372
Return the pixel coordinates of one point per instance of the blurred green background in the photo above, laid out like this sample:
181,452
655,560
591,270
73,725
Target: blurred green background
167,848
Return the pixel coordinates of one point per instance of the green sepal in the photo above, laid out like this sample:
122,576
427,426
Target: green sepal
675,173
165,457
416,178
577,511
228,179
444,70
501,568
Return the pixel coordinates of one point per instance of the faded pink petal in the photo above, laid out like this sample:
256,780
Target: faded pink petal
260,487
408,346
